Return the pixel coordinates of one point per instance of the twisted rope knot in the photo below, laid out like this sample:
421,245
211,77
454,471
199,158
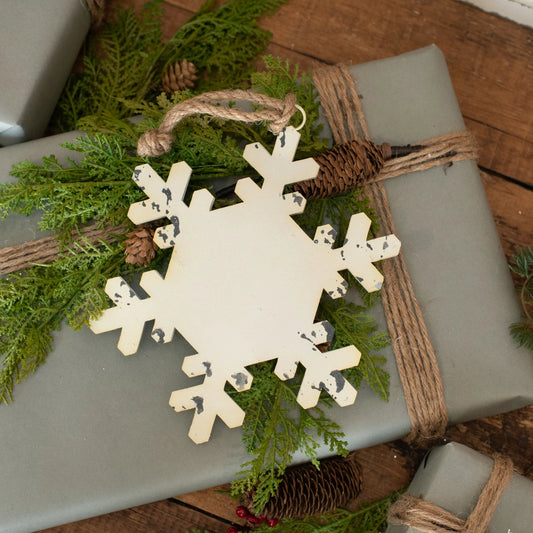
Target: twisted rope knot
154,142
278,112
287,110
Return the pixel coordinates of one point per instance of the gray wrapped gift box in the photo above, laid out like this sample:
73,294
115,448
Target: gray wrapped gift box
39,42
453,477
92,432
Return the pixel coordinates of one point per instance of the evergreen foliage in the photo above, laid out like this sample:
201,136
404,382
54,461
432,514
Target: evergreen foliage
522,266
127,59
34,303
369,518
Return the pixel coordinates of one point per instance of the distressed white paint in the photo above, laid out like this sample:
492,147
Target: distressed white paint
243,284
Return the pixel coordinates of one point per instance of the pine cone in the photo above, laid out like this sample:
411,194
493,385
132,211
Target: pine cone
344,167
140,246
180,76
307,490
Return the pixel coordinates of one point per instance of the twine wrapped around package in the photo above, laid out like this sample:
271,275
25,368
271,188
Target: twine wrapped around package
427,517
415,355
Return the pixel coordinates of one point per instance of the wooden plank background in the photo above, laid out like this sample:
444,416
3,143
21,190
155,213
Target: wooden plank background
491,65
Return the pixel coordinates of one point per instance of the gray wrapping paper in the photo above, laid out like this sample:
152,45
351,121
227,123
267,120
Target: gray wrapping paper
39,42
453,477
92,431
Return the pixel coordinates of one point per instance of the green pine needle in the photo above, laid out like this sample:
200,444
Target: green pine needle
275,428
369,518
522,266
120,80
127,59
34,303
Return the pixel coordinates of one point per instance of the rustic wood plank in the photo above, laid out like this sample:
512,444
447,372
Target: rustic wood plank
512,208
166,515
214,500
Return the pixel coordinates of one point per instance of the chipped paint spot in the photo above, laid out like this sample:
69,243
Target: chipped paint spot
369,246
132,293
241,379
155,207
162,235
160,334
378,285
330,330
385,245
176,223
136,173
168,193
117,295
282,138
359,279
199,401
305,337
208,371
339,379
297,199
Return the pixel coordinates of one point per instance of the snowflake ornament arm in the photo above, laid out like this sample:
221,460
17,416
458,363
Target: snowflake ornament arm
243,284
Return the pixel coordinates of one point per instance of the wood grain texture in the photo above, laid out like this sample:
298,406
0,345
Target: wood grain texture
491,65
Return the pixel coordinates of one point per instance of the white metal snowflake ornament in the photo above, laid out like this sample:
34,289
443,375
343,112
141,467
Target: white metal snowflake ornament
243,284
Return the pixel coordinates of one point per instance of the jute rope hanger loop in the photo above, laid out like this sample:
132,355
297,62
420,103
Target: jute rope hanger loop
277,112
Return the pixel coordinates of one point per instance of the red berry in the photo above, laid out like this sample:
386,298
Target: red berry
241,511
232,529
271,522
253,519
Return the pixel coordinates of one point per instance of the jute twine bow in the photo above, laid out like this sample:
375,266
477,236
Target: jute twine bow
278,112
430,518
415,355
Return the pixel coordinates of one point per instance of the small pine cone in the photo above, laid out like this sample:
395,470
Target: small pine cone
180,76
306,490
345,167
140,246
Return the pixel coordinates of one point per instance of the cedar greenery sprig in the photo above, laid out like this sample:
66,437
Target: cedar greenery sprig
127,59
100,187
522,266
369,518
275,428
34,303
